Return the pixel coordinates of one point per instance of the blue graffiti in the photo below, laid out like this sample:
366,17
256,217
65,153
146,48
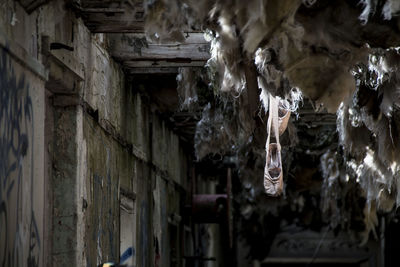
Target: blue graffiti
16,140
129,252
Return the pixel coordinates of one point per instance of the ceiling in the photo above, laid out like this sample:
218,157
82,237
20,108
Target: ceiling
156,65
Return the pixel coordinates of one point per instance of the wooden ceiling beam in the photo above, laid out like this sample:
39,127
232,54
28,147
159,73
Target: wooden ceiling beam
134,47
110,16
161,64
133,71
123,21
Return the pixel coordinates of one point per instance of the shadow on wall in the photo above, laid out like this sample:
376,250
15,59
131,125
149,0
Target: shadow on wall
19,235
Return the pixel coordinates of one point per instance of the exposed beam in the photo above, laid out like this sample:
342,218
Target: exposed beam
162,64
124,21
110,16
134,47
113,22
151,70
103,10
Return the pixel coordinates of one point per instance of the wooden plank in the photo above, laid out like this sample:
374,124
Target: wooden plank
161,64
164,70
110,3
113,22
103,10
184,53
152,70
112,16
134,47
126,17
190,38
115,27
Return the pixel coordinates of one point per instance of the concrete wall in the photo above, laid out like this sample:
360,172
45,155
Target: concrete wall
74,137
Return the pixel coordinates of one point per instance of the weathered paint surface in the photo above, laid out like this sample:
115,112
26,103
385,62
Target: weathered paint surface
21,167
102,211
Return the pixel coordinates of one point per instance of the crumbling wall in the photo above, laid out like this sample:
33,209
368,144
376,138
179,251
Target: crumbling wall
105,142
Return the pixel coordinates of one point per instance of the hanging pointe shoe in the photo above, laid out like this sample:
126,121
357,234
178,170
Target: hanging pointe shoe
273,175
273,178
283,118
283,115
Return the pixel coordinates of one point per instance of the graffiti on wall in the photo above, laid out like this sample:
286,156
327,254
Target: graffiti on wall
19,235
128,253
